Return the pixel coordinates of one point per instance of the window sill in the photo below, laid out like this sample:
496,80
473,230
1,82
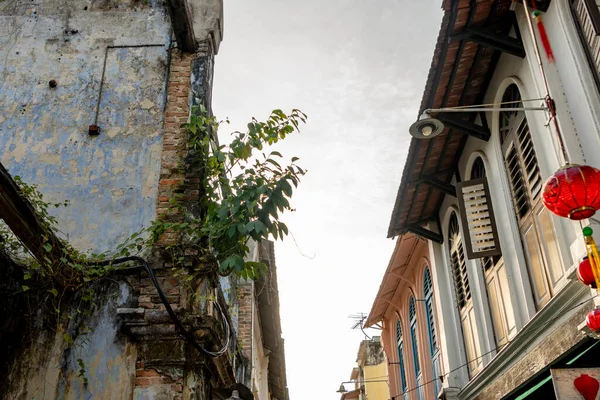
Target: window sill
537,329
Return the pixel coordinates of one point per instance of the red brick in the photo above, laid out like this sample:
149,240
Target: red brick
170,181
142,382
146,373
177,388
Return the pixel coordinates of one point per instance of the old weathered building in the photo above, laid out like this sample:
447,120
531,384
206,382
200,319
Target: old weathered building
507,301
92,98
369,377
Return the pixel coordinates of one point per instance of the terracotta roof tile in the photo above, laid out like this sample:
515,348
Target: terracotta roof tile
457,76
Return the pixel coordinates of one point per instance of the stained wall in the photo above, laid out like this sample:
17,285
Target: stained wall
109,61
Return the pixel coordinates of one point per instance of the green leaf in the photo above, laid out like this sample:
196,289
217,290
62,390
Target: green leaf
283,227
238,263
250,226
68,338
287,188
294,159
260,227
54,291
47,247
231,231
26,277
275,163
241,229
25,288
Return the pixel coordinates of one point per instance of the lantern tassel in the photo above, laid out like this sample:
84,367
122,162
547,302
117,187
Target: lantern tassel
592,252
543,35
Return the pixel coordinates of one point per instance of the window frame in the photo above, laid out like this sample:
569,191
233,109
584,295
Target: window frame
526,204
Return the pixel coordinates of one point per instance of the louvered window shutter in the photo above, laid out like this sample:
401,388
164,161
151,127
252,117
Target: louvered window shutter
478,219
459,274
523,171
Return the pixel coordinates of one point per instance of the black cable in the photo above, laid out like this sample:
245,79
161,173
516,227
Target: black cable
184,332
491,351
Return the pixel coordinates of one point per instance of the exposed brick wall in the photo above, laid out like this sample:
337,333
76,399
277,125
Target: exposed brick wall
156,383
176,178
159,342
245,299
149,298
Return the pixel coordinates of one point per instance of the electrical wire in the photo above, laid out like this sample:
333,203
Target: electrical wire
498,104
493,350
182,330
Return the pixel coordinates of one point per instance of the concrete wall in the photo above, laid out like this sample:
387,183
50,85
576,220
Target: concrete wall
111,180
49,367
376,390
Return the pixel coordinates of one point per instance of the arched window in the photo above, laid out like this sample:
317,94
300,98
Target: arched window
412,317
434,349
496,281
400,343
462,289
535,223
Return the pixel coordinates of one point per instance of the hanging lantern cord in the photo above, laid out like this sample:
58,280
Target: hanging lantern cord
549,101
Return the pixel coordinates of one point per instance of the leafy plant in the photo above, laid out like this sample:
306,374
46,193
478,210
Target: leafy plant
246,189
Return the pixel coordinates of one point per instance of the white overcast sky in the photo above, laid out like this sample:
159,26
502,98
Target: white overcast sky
358,69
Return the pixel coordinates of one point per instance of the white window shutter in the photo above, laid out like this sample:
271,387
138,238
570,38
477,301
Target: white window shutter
477,214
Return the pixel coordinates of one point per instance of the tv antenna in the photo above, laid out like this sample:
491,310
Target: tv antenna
359,323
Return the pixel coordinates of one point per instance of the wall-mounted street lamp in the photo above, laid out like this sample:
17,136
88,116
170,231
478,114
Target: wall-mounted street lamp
427,127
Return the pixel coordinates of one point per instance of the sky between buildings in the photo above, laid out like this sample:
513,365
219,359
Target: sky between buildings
358,69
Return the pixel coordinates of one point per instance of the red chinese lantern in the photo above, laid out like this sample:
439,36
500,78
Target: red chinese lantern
592,320
585,273
587,386
573,192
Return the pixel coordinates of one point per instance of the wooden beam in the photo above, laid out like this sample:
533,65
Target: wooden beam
435,175
425,233
443,186
490,38
22,219
183,27
465,126
424,220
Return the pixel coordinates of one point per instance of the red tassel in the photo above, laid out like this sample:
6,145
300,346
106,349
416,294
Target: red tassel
544,36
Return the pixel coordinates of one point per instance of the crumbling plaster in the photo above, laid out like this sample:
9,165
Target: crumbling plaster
49,367
111,180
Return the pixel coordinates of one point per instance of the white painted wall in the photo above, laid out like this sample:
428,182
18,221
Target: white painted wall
577,100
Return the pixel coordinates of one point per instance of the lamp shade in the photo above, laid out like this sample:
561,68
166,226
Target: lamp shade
592,320
573,192
426,127
585,273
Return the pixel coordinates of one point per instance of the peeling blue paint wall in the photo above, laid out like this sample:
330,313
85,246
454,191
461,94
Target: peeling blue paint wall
110,180
49,368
